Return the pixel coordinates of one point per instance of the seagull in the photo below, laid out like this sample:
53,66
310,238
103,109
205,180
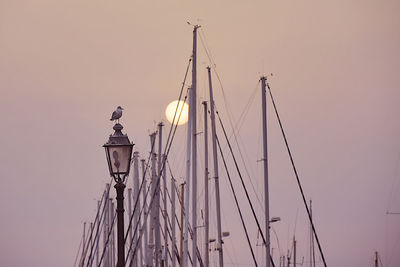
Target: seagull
116,114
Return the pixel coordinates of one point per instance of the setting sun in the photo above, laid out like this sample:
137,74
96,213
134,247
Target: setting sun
183,111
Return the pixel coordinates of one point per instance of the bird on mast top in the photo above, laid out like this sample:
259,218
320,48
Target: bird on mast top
117,114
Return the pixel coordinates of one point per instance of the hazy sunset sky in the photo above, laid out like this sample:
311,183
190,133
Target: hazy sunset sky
66,65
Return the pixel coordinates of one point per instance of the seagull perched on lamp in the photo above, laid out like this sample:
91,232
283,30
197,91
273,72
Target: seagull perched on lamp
116,114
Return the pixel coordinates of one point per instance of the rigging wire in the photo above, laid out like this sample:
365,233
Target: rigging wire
152,145
296,174
108,239
236,201
148,160
99,228
77,253
166,152
241,179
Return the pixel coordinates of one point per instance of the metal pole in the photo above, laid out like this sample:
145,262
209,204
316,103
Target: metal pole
119,186
376,258
265,159
181,239
105,222
83,244
98,238
206,215
216,178
173,192
136,198
145,211
157,198
165,214
129,215
194,148
311,237
112,229
151,207
294,251
187,189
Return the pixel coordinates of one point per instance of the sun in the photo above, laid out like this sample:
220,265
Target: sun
183,110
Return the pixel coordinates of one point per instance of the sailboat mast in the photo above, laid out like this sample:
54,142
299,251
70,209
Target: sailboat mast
173,222
194,147
294,251
136,198
206,215
130,197
181,235
265,160
152,203
145,211
165,214
184,258
216,177
157,198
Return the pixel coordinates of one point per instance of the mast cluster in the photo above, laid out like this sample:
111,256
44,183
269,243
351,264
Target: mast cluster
151,239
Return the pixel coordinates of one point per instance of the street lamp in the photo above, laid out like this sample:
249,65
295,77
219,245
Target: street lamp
119,153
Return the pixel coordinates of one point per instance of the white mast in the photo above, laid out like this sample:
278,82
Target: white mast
129,215
173,252
165,214
112,246
157,198
206,216
194,147
187,189
145,211
106,228
152,203
265,159
216,178
135,198
83,244
98,238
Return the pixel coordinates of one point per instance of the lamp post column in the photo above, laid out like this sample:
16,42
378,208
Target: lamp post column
119,186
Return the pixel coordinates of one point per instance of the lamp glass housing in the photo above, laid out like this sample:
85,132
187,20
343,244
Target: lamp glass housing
119,159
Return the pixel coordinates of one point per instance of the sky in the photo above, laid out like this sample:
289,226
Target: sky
66,65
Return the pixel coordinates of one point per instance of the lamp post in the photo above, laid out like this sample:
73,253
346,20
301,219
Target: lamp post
119,153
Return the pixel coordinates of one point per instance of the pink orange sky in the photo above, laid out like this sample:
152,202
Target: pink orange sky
66,65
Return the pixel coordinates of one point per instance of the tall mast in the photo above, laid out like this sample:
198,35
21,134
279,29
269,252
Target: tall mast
165,214
136,199
216,178
194,147
83,245
105,222
173,192
152,203
206,216
157,198
112,252
265,159
294,251
98,238
145,211
130,197
184,259
181,235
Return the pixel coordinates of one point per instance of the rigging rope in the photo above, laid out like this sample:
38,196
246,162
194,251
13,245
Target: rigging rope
243,184
236,201
152,146
296,174
97,220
